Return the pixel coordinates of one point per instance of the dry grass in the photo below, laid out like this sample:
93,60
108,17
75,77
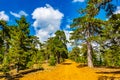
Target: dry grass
70,70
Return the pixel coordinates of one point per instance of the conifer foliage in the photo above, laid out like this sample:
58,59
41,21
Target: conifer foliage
19,50
90,30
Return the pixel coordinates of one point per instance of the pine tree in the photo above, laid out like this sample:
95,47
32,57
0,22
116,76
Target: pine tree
111,41
86,28
4,45
19,43
56,46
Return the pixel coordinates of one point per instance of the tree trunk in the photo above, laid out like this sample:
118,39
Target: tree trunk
58,58
47,57
17,66
6,47
89,54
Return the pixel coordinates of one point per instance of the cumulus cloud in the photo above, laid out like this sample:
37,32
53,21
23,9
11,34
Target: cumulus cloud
78,0
21,13
3,16
117,11
68,35
47,21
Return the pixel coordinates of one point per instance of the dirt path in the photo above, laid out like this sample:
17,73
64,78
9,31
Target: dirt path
68,70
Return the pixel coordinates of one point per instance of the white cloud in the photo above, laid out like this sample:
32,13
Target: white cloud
14,14
78,0
21,13
47,21
42,34
3,16
67,26
68,35
117,11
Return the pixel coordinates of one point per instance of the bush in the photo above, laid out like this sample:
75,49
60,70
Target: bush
5,69
52,61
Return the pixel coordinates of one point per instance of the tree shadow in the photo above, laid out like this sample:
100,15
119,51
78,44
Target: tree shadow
19,75
66,63
81,65
108,78
108,72
113,67
7,76
2,76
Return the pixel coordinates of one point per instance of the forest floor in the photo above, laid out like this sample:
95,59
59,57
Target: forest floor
70,70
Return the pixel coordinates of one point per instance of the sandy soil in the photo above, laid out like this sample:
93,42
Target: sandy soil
68,70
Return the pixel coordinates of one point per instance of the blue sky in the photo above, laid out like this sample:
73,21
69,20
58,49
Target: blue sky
13,8
45,16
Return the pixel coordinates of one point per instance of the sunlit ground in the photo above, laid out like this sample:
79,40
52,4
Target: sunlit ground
70,70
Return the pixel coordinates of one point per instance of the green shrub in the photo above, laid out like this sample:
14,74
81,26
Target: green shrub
5,69
52,61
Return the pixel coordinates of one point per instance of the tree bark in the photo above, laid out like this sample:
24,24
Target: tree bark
89,54
6,47
58,58
17,66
